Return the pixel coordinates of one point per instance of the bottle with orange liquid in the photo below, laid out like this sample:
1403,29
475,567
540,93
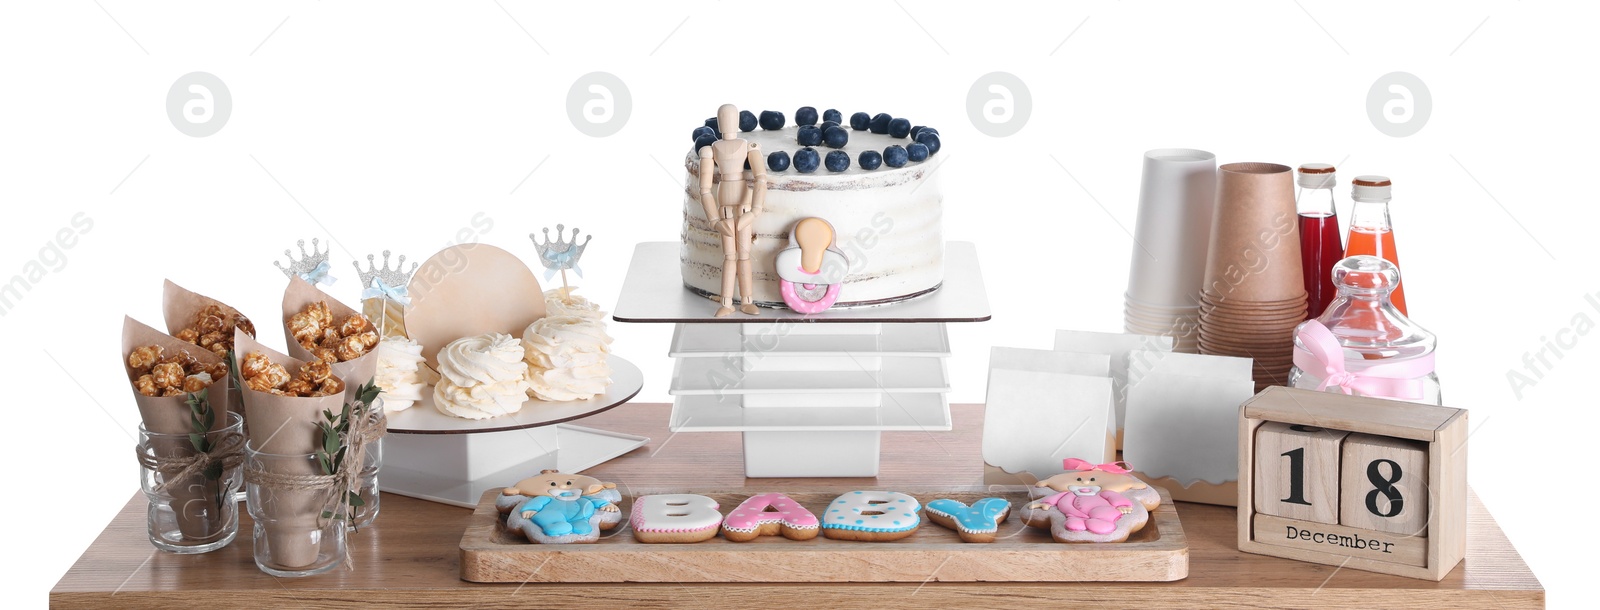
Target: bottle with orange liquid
1370,231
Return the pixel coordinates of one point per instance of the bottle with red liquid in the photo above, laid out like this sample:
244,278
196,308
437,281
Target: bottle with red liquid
1320,246
1370,231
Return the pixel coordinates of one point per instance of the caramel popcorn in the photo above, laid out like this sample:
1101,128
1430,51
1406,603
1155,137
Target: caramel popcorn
314,378
216,371
210,324
260,383
209,339
350,348
304,328
244,324
331,386
142,358
146,385
323,313
254,364
314,329
316,371
171,374
196,382
300,387
354,325
168,375
213,329
324,354
275,375
183,358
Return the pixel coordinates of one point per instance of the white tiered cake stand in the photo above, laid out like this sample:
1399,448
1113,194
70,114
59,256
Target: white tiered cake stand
433,456
810,393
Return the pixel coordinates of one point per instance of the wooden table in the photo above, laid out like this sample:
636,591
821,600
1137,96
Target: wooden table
411,557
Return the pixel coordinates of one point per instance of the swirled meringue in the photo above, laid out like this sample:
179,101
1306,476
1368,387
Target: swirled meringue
481,377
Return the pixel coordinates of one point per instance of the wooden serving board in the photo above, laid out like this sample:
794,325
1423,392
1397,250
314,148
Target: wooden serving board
1157,553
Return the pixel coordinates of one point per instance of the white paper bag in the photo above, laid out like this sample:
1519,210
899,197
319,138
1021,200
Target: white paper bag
1117,346
1036,419
1186,427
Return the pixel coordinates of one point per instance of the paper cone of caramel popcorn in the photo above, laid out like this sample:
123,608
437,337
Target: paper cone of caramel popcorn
300,294
181,308
286,425
200,518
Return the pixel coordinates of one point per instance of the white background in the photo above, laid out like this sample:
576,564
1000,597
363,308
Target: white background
389,126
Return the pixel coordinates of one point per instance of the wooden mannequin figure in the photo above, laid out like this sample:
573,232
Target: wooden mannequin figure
739,199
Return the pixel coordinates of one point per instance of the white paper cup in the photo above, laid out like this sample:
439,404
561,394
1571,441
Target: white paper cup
1177,202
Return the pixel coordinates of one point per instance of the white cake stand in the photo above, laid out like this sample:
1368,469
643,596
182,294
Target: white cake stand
450,460
811,394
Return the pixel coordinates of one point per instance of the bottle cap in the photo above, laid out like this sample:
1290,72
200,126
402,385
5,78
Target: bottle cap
1315,176
1370,189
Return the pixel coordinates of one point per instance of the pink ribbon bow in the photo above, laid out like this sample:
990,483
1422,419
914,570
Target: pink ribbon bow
1111,467
1324,355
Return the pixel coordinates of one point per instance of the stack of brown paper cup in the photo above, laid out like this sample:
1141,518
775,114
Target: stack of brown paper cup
1177,200
1254,295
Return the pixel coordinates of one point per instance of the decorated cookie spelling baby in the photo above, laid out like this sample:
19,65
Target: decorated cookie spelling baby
675,518
977,523
769,514
871,516
556,508
1093,503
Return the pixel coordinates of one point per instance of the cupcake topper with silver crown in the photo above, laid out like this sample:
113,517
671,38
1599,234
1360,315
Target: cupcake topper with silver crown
312,267
560,254
384,282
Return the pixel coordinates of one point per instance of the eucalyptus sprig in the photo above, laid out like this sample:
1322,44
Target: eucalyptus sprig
200,421
233,372
336,431
201,418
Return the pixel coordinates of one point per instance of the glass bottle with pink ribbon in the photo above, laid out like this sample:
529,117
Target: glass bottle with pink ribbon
1362,345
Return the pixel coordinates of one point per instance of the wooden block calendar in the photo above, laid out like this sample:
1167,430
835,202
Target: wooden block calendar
1297,471
1358,482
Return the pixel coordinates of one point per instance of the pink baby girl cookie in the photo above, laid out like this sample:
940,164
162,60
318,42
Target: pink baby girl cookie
769,514
1092,503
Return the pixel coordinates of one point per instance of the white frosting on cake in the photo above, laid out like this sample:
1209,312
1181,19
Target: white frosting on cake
889,222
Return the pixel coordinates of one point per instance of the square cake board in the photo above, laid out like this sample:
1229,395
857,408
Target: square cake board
1157,553
653,292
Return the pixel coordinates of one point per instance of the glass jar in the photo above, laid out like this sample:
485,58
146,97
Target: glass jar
189,513
292,537
1362,344
368,511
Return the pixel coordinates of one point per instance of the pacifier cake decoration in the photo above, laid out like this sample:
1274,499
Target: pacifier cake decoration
812,269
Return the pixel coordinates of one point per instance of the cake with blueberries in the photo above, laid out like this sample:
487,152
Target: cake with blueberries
869,175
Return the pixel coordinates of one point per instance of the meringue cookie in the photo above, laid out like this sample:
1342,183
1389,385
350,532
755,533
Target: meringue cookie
566,358
401,373
481,377
563,302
